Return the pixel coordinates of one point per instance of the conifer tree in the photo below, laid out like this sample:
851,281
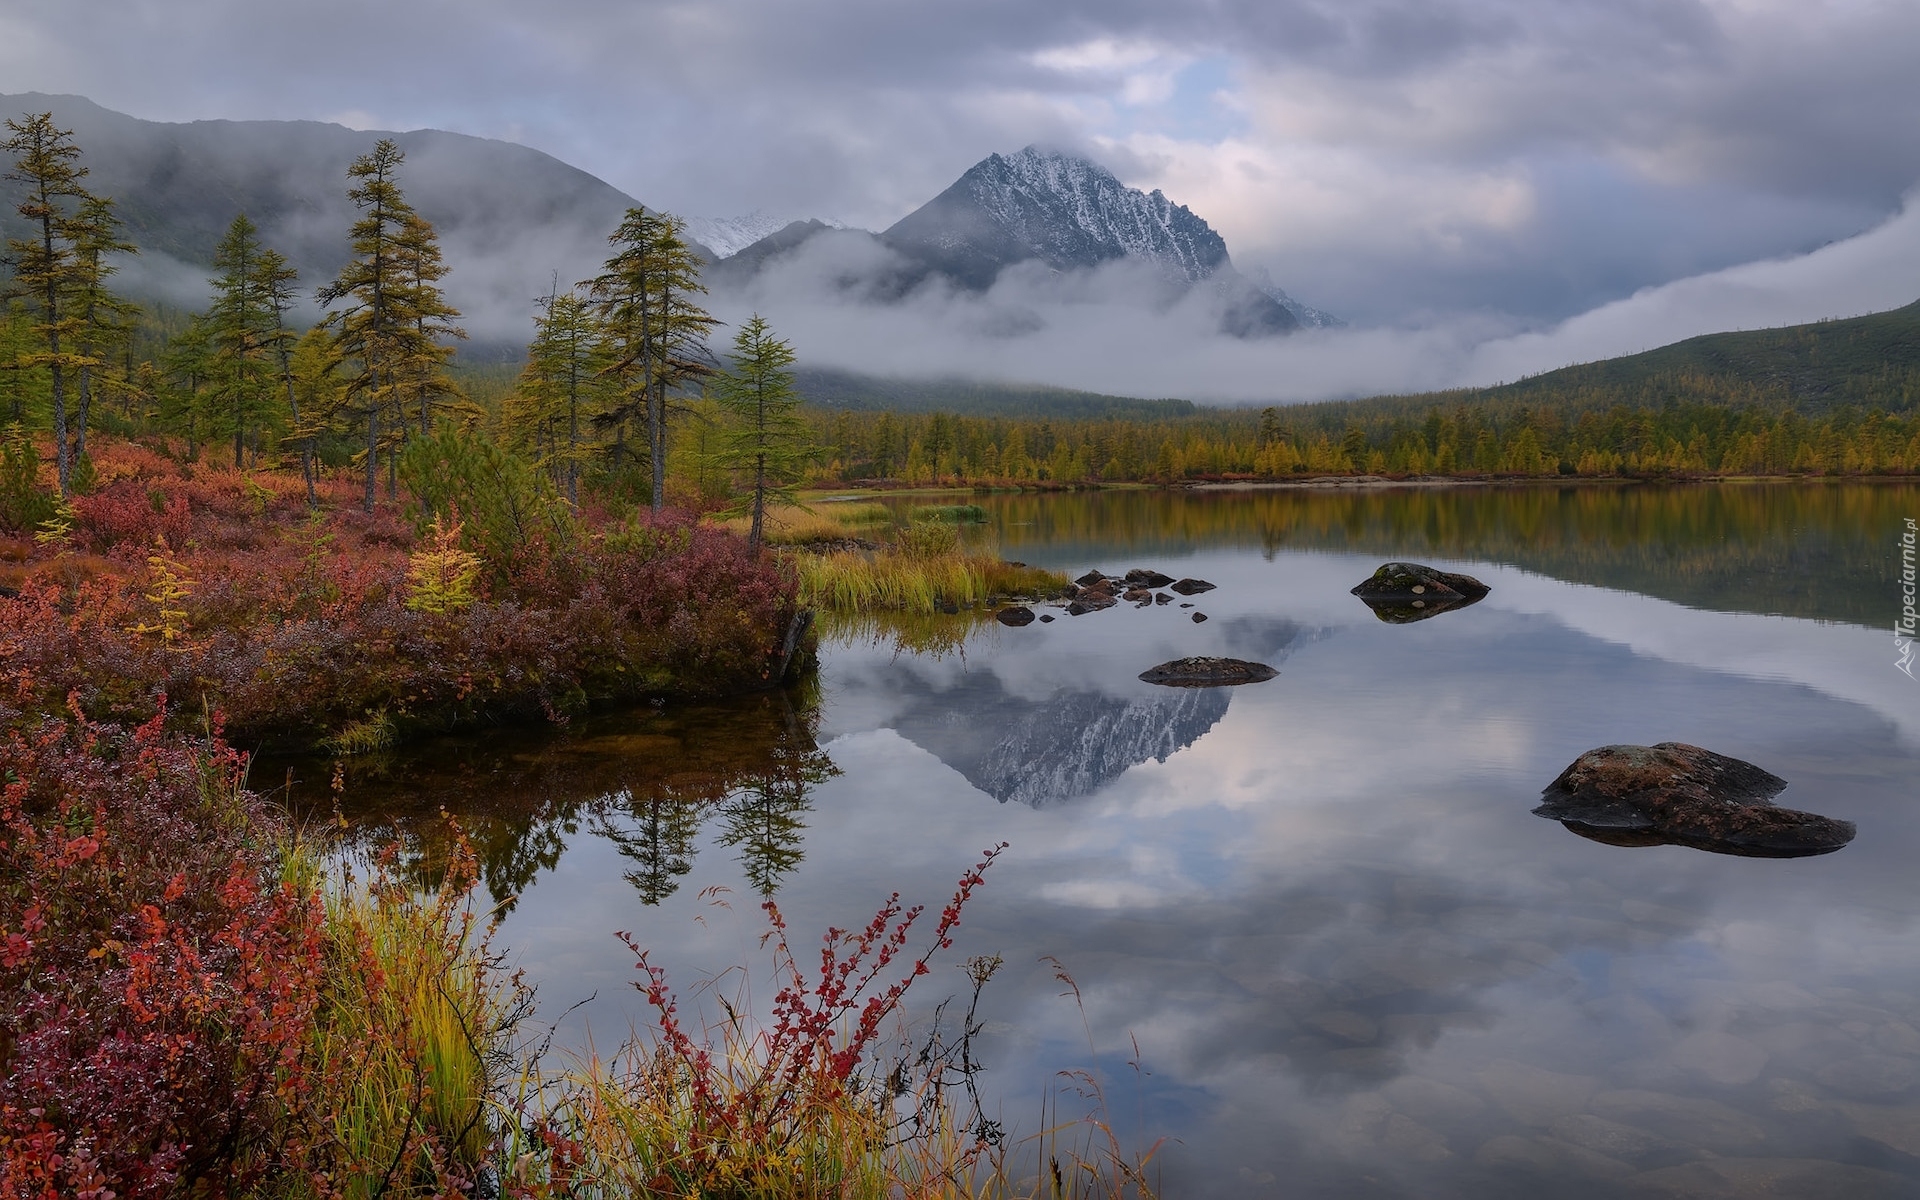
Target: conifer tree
45,264
241,326
562,390
277,278
392,310
427,384
767,442
657,334
103,321
188,366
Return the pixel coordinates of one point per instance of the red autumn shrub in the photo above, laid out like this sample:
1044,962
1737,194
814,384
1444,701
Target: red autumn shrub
295,624
157,980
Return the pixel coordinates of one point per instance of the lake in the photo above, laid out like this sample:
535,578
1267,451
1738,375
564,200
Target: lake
1319,940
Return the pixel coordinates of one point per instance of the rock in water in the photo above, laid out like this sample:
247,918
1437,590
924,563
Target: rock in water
1208,672
1192,587
1400,592
1090,601
1142,577
1680,795
1015,615
1090,578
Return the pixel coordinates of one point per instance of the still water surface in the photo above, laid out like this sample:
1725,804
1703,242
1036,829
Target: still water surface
1353,962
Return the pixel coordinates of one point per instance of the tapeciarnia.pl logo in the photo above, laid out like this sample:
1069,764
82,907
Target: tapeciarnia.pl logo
1904,629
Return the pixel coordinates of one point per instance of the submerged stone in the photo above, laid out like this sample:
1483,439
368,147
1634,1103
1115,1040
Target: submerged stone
1208,672
1015,615
1680,795
1191,587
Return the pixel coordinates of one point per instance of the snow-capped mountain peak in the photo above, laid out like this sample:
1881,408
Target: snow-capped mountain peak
1059,208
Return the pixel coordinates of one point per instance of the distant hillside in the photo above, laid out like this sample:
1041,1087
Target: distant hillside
831,389
1865,362
510,217
1869,361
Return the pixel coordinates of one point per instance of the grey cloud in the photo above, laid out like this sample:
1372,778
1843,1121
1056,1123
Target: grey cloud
1659,139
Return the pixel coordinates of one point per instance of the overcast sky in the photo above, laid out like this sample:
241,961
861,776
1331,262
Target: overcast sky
1402,163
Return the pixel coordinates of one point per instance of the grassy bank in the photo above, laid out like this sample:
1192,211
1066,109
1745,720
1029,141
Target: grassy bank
191,1005
923,569
227,592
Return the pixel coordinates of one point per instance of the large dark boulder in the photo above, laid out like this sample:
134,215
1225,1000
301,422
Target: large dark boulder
1192,587
1208,672
1400,592
1015,615
1142,577
1673,794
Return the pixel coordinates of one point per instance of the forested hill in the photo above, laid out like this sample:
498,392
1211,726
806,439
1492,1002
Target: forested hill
1871,361
1862,362
826,388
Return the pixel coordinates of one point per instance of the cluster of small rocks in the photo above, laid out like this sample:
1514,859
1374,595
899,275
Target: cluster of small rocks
1096,591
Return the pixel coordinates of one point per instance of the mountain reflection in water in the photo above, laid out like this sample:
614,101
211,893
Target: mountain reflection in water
1321,917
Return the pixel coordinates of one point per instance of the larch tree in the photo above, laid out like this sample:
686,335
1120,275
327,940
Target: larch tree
379,329
188,370
277,278
103,322
562,389
45,264
241,326
766,442
427,387
657,333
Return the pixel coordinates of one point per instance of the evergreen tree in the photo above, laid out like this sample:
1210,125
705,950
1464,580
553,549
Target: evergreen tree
657,334
562,391
391,311
241,327
277,278
187,367
427,384
767,442
103,322
45,265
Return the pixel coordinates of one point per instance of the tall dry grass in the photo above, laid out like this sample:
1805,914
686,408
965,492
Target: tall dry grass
792,525
416,1041
925,570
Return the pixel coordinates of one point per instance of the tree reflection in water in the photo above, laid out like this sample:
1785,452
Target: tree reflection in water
650,781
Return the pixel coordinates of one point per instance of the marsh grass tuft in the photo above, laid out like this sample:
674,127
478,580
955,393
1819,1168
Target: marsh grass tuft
792,525
921,576
958,514
371,734
416,1036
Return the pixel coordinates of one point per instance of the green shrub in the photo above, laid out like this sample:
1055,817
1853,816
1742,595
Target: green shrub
502,504
23,504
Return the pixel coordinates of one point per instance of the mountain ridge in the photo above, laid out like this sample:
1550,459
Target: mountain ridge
1065,212
178,185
